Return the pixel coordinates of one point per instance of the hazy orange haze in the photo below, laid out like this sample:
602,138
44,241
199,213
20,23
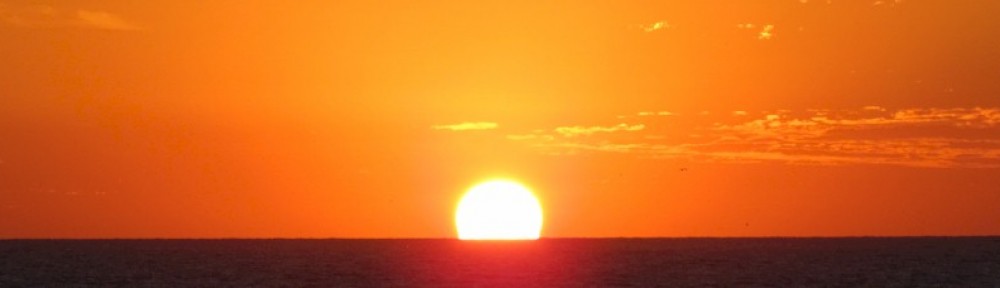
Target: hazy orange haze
627,118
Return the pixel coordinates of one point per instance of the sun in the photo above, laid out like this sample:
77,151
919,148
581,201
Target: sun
499,210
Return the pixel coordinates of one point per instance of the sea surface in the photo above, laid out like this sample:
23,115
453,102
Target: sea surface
723,262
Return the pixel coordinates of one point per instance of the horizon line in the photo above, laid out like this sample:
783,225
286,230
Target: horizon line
542,238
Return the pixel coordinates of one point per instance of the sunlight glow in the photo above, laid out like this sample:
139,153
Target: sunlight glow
499,210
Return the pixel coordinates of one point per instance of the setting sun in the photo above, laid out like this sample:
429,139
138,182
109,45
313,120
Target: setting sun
498,210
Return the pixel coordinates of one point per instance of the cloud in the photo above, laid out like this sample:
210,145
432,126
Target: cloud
572,131
766,33
652,113
44,16
892,3
658,25
464,126
104,20
25,16
871,135
873,108
523,137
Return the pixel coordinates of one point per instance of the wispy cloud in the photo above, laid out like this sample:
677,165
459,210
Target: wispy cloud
572,131
654,113
766,30
653,27
766,33
922,137
45,16
888,3
464,126
873,108
910,137
104,20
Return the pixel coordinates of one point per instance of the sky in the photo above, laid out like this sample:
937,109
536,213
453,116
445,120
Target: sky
369,119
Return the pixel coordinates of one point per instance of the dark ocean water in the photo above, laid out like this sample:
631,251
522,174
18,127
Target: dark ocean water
821,262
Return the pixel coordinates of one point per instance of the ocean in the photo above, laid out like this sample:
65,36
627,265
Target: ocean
669,262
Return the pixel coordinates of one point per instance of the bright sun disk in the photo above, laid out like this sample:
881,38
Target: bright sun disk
499,210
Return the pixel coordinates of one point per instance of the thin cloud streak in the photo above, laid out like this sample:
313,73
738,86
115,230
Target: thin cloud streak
659,25
44,16
573,131
871,135
105,20
465,126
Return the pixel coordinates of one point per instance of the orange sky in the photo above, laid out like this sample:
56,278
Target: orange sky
627,118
